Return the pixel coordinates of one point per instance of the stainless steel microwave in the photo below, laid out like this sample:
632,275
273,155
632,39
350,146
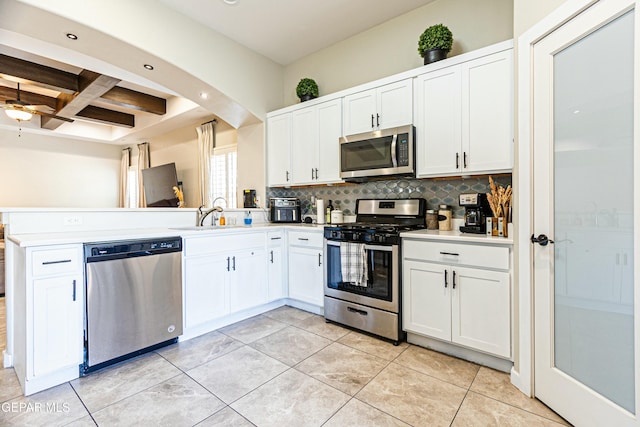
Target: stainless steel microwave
378,153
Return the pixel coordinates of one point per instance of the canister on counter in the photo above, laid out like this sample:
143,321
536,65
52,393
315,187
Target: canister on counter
444,218
432,219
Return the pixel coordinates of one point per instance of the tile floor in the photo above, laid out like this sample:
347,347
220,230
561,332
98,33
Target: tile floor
286,367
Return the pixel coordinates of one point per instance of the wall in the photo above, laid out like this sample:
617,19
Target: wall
435,191
47,171
391,47
181,148
527,13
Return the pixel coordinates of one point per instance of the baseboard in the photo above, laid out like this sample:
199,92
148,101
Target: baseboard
7,359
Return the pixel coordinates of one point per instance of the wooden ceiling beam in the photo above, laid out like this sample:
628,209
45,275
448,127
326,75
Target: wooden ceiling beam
91,87
109,117
37,75
129,98
7,94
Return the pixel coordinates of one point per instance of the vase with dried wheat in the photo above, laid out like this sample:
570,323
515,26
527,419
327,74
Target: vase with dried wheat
500,202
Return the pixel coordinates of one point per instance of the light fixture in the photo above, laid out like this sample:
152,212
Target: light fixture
204,95
148,66
19,115
231,2
72,36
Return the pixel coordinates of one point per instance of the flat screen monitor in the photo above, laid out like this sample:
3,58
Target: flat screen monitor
158,183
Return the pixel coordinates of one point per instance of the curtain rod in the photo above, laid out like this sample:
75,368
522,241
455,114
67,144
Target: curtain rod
214,121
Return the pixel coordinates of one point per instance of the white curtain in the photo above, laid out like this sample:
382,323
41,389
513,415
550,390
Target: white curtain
206,143
144,162
125,162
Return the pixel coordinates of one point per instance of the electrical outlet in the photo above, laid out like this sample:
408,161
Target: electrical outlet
72,220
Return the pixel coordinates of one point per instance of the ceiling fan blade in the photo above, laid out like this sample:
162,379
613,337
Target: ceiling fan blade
53,116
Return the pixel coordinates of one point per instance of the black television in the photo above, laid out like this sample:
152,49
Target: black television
158,183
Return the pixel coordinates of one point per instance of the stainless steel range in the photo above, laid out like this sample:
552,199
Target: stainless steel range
362,281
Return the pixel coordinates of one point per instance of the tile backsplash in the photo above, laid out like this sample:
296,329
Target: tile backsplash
435,191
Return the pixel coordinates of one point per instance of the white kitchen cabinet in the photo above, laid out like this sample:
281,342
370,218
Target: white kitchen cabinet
464,117
205,296
247,279
315,147
383,107
451,294
306,264
277,265
49,347
278,154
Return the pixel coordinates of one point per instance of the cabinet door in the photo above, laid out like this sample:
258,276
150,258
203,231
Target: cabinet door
487,113
329,132
57,323
205,292
438,127
359,110
305,275
278,143
481,314
304,145
395,105
276,268
426,299
248,287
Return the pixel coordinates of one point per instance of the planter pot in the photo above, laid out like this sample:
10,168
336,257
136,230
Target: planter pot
306,98
434,55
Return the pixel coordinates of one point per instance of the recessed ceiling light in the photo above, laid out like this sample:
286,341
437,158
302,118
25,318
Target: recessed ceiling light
204,95
148,66
72,36
230,2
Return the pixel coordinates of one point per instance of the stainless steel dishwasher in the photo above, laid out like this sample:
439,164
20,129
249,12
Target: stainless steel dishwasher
133,298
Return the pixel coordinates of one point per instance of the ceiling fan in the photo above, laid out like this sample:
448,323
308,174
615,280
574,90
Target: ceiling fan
21,111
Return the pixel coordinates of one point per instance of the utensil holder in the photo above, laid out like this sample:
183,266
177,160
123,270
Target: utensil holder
497,226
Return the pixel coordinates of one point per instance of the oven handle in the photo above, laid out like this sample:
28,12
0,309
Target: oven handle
394,143
367,247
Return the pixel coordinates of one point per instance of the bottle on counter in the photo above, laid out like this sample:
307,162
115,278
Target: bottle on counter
444,218
432,219
328,210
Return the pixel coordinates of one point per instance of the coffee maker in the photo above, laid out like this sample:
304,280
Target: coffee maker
476,210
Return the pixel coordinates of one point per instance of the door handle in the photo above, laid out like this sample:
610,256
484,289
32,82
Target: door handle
445,279
464,159
453,284
355,310
457,161
228,261
287,176
74,290
542,240
372,121
378,120
316,173
62,261
319,260
234,264
272,257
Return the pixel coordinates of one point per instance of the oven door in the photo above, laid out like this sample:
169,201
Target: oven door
382,287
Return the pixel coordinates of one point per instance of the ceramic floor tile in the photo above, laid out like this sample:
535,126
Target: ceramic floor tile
196,351
372,345
226,418
478,410
415,398
56,406
342,367
292,399
9,385
289,315
358,414
235,374
290,345
82,422
319,326
447,368
250,330
497,385
179,401
109,385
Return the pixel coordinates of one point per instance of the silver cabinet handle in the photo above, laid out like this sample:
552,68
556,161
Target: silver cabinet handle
61,261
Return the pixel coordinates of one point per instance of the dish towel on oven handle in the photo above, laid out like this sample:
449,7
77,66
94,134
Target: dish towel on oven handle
353,263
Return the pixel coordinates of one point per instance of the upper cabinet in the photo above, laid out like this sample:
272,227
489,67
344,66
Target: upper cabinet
278,157
383,107
464,117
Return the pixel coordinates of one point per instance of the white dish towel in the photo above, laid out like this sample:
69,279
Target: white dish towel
353,263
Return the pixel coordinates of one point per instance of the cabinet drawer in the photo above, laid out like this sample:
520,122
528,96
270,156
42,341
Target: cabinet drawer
484,256
225,243
56,261
301,238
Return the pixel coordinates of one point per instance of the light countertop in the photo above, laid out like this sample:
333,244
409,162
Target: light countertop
457,236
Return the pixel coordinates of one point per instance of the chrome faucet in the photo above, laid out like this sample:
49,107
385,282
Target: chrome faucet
204,214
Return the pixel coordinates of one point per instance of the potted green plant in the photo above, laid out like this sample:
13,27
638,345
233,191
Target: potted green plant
307,89
435,43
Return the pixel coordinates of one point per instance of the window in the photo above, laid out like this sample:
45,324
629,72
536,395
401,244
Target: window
224,168
132,188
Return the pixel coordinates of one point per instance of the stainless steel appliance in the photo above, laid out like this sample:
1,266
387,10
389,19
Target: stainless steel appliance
378,153
285,209
369,298
476,210
133,298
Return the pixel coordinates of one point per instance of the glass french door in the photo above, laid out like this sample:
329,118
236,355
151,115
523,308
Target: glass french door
585,196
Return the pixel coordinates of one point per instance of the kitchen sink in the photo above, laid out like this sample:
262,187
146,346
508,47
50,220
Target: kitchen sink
207,227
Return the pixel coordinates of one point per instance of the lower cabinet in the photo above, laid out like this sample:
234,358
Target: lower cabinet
465,305
306,267
247,278
205,289
277,265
